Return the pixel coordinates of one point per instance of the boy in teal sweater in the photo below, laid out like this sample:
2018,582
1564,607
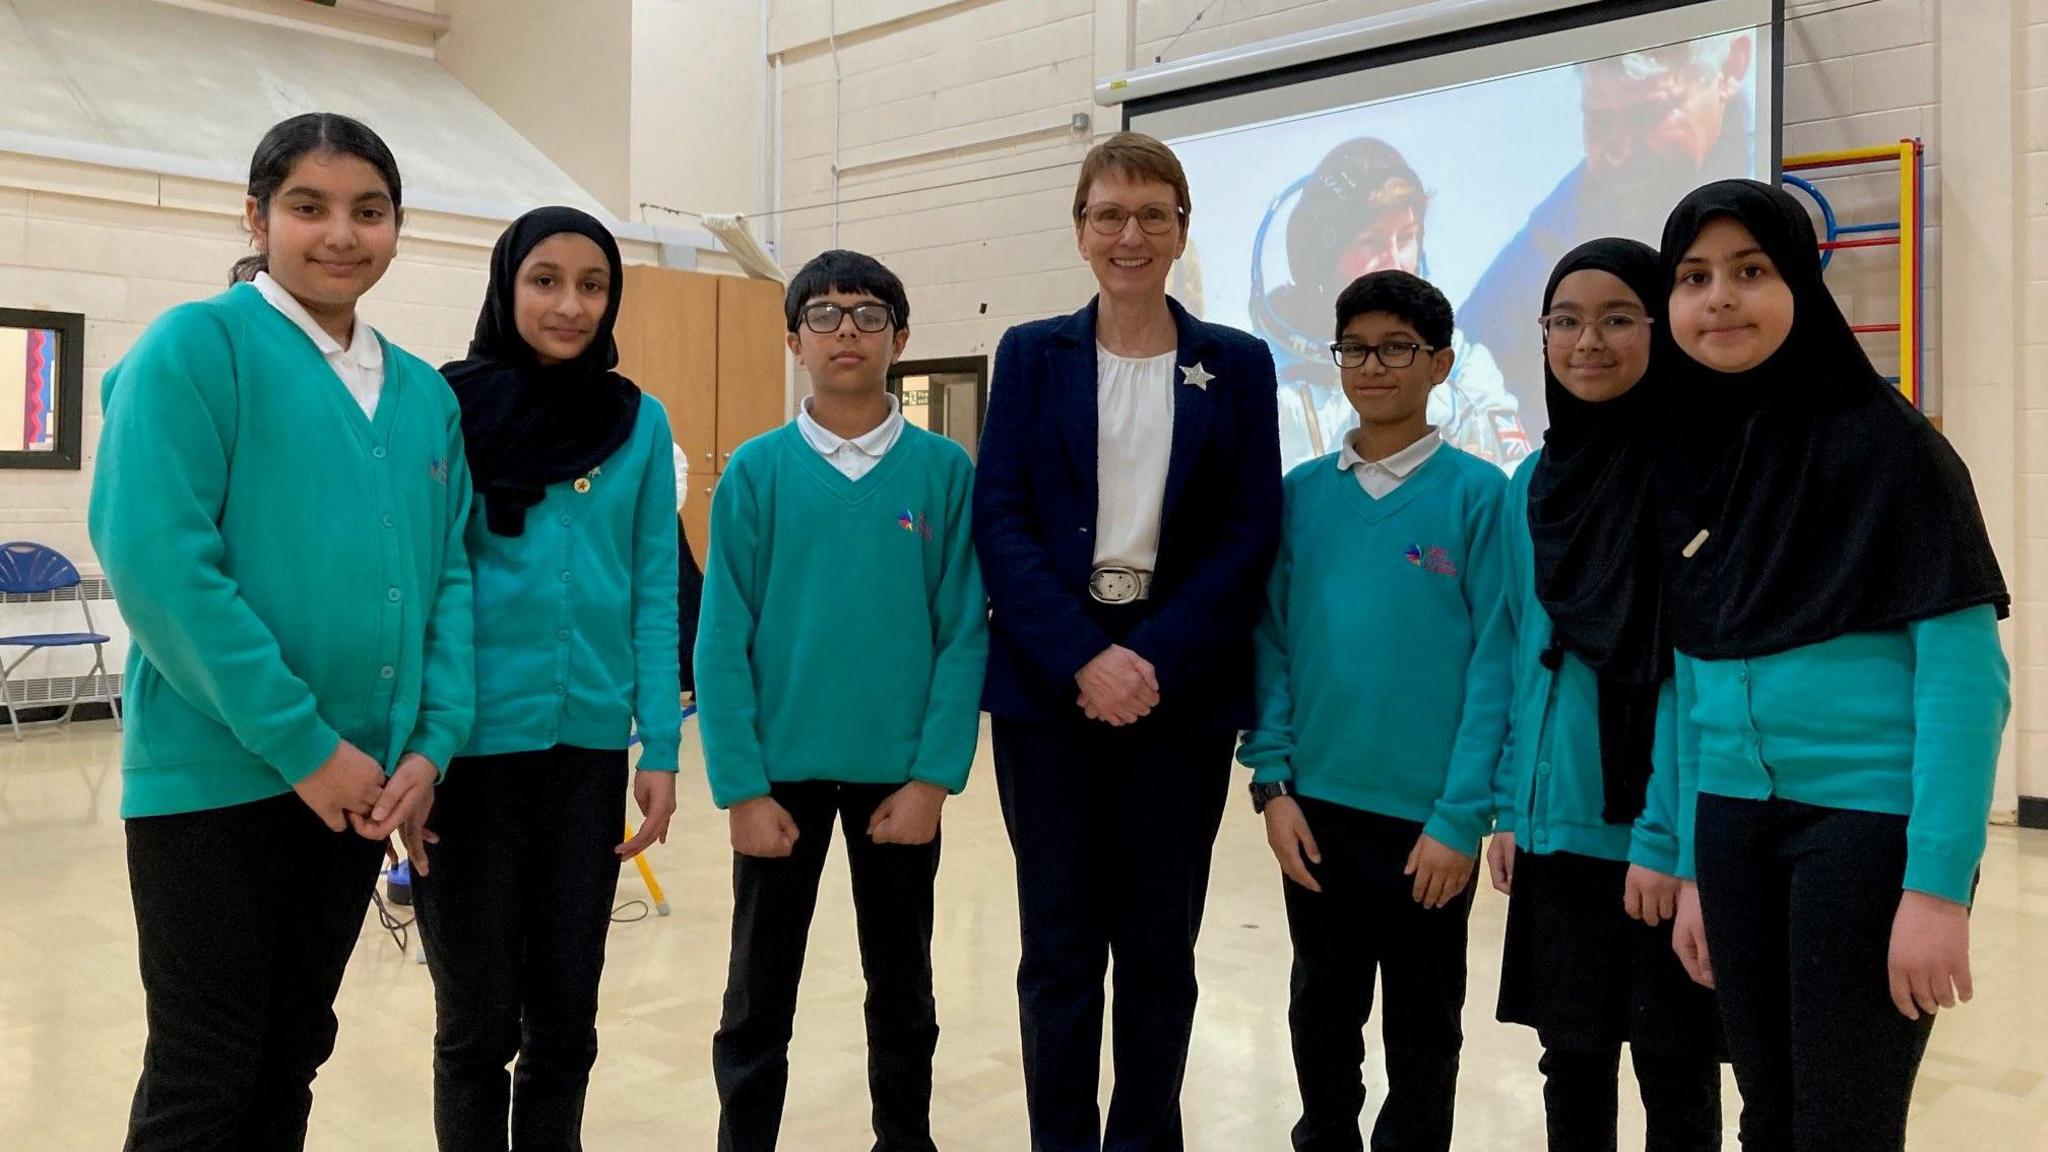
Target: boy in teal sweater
839,659
1383,693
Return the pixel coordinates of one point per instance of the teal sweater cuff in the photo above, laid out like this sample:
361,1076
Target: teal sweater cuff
1657,853
1949,875
1456,832
659,753
437,745
302,752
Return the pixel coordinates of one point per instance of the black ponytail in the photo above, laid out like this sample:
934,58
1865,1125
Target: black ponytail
287,142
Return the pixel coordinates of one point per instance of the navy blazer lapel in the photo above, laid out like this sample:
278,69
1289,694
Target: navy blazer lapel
1070,369
1198,368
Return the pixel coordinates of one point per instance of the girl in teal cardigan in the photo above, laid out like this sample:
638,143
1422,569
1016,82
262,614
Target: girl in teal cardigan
1585,839
1834,602
573,546
279,506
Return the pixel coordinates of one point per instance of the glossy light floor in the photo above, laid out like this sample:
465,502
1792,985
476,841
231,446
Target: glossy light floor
71,1006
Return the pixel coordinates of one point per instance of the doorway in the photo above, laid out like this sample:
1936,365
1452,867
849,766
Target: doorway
946,396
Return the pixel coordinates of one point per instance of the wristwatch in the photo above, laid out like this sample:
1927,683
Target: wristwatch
1264,793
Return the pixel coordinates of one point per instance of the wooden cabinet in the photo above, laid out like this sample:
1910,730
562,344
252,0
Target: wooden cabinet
753,362
668,344
710,348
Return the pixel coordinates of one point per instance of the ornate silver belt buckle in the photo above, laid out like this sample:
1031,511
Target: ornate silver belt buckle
1116,585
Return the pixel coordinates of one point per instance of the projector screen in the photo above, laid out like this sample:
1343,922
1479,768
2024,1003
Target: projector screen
1475,162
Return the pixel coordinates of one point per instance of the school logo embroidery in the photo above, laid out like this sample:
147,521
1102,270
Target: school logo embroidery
439,470
915,523
1437,560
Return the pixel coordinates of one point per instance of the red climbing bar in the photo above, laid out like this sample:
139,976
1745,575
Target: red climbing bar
1862,242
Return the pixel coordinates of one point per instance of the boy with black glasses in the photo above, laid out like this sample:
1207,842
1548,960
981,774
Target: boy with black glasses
839,664
1383,687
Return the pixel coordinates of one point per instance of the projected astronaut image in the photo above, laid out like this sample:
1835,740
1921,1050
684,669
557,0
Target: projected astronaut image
1480,188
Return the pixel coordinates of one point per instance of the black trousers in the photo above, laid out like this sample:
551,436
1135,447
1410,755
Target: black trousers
514,910
1798,903
1366,922
1589,979
771,921
244,918
1112,830
1681,1094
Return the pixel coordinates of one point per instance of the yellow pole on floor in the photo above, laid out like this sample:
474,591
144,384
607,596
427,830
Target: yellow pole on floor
647,874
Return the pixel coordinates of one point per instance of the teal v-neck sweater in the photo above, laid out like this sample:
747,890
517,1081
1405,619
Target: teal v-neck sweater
292,571
1382,659
844,631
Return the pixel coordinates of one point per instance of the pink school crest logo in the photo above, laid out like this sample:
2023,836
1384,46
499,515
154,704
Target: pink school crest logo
1437,560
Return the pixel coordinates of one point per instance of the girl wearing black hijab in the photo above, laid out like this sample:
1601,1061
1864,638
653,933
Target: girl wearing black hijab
1834,601
1586,838
572,542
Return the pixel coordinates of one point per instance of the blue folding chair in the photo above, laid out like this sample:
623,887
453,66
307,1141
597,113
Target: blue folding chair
27,569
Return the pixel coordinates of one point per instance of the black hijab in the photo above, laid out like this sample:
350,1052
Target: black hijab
1829,504
525,426
1593,524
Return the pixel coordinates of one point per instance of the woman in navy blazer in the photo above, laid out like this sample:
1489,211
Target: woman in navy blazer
1126,511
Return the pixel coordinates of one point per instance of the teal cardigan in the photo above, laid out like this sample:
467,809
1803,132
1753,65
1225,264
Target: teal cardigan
1906,721
291,570
576,631
1550,791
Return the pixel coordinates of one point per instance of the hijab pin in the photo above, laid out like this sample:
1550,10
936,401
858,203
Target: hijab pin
583,482
1693,549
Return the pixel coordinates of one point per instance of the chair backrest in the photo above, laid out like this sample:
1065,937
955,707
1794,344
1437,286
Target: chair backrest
27,567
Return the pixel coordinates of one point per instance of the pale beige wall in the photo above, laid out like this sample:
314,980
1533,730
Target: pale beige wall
697,131
560,72
2024,248
333,21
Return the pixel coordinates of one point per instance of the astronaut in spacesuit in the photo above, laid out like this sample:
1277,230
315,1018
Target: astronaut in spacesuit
1362,210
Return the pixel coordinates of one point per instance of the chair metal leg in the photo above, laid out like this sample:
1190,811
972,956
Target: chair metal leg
7,695
105,684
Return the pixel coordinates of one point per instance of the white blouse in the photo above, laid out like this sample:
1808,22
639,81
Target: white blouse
360,365
1134,442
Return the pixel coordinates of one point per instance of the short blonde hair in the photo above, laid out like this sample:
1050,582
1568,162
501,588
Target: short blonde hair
1136,156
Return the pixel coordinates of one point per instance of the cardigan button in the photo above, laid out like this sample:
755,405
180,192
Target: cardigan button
378,451
387,672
